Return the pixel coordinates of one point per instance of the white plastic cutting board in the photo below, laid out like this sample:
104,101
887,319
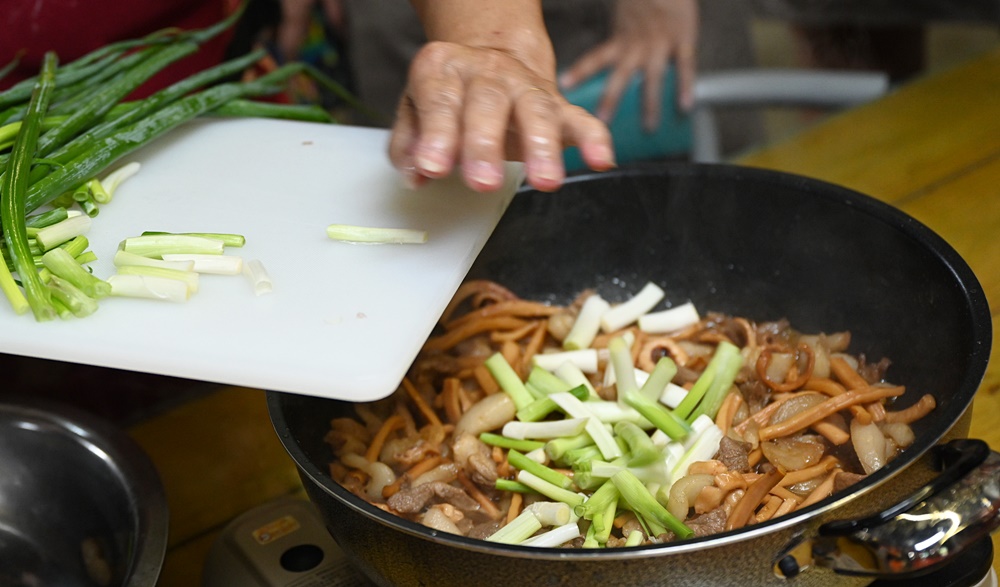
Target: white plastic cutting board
343,321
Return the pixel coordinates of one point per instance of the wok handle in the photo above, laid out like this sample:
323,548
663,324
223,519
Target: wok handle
928,528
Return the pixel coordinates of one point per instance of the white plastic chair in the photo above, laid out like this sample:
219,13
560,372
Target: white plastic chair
830,90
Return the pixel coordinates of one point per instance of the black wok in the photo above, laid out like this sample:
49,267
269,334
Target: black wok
745,242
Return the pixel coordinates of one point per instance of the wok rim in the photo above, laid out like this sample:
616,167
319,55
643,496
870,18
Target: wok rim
126,460
980,336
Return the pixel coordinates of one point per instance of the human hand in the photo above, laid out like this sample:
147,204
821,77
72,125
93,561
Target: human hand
475,106
647,36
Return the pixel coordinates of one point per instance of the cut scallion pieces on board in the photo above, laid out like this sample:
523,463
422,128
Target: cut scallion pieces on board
374,235
157,245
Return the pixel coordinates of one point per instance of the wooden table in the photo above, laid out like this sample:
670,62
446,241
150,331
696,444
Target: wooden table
931,148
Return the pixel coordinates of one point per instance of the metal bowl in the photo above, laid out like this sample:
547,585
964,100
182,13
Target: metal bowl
80,503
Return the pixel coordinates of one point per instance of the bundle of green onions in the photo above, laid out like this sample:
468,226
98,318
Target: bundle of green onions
72,122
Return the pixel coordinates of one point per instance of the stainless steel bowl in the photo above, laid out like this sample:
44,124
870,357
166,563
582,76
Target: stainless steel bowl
80,503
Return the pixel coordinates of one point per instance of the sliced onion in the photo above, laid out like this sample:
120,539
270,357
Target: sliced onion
899,432
800,403
869,444
684,492
794,452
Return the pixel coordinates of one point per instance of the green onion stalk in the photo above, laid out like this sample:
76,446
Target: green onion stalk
13,193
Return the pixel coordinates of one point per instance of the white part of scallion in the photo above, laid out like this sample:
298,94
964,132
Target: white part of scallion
587,324
612,412
545,429
609,374
188,277
259,278
555,537
595,428
63,231
552,513
157,245
124,258
144,286
629,311
211,264
114,179
574,376
673,395
374,235
518,530
705,445
586,360
669,320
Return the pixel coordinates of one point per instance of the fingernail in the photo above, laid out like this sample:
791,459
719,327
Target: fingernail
483,174
546,172
432,160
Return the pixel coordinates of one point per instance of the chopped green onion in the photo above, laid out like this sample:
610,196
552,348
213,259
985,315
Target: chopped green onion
372,235
595,428
542,407
642,451
523,463
663,372
518,530
76,301
190,278
555,537
514,486
730,361
124,258
642,502
664,420
517,444
574,376
669,320
97,191
156,245
627,312
599,500
260,279
546,381
552,513
549,490
145,286
558,447
211,264
634,538
544,429
587,324
586,359
228,239
60,232
508,380
624,369
62,264
114,179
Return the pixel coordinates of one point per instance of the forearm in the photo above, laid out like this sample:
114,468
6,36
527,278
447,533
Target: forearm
513,26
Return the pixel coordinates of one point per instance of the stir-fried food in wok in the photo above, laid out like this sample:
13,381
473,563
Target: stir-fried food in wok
608,425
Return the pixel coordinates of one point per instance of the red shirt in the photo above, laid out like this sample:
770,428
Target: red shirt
73,28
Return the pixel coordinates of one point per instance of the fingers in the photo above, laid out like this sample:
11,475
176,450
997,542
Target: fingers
589,65
486,117
537,117
591,137
652,89
614,87
436,94
481,107
686,66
